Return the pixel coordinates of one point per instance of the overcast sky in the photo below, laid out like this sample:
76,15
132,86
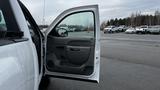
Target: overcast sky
108,8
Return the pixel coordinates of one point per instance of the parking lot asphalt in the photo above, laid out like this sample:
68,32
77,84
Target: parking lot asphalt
128,62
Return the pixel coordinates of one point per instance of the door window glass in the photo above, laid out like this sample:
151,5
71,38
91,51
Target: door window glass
77,25
2,22
3,27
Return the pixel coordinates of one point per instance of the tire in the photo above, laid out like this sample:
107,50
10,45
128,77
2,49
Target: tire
44,83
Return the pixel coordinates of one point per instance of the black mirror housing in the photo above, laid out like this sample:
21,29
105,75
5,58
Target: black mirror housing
62,32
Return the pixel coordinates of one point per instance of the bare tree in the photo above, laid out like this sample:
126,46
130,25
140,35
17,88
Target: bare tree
103,25
157,16
132,19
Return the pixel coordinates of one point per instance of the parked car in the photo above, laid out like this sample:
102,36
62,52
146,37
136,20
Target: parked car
154,29
29,57
130,31
122,28
109,29
115,30
142,29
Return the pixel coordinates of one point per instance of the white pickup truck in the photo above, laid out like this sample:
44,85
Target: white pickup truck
27,55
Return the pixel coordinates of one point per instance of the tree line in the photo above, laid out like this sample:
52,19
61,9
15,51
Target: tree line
135,19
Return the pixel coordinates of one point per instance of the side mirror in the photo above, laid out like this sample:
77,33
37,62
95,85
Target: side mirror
62,32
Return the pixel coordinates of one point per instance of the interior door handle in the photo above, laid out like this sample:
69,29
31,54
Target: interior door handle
74,49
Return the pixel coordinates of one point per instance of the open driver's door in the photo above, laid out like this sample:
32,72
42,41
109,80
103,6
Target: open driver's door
72,44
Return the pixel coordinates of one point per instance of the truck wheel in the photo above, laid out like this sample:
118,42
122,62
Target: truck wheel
44,83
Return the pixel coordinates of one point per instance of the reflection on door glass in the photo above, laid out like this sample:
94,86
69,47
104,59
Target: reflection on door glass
77,25
2,22
3,27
